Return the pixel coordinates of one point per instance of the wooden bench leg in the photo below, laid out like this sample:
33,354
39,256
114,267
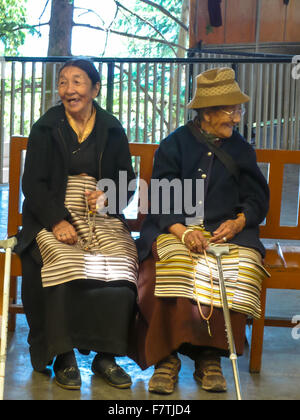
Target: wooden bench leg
258,337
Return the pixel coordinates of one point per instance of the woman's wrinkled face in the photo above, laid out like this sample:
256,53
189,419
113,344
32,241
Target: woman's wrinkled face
76,91
221,122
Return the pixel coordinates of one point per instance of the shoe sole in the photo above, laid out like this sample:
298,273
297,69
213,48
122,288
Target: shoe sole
69,387
217,388
158,390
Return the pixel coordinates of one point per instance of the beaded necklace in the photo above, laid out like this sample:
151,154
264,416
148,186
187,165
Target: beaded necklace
91,221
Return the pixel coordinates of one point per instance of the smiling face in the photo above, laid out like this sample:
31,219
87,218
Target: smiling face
218,121
77,92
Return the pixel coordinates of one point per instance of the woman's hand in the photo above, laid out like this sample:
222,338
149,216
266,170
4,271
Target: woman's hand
228,229
96,200
193,239
65,232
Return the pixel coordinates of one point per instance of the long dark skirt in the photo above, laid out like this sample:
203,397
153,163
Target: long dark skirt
164,325
83,314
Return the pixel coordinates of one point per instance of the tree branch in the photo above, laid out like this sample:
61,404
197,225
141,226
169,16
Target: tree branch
108,28
143,20
86,11
165,12
45,7
143,38
19,28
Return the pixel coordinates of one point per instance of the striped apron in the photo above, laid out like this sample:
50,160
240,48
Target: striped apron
181,273
104,251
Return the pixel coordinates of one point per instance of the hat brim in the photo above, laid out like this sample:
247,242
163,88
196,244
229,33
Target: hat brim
235,98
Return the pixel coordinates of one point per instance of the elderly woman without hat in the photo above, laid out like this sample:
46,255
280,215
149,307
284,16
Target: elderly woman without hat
178,292
79,267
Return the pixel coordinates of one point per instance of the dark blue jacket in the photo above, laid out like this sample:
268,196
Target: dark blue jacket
181,156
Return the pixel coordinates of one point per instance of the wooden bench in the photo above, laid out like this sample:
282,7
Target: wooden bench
281,277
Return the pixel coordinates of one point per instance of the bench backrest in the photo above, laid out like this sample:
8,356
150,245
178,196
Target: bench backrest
277,161
145,154
273,160
18,145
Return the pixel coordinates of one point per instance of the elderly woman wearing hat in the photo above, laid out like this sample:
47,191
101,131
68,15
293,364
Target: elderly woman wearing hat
180,310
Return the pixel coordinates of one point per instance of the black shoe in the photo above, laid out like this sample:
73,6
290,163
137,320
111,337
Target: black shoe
114,375
67,374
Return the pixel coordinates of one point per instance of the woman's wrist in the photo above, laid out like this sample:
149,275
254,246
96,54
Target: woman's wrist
184,234
178,230
240,221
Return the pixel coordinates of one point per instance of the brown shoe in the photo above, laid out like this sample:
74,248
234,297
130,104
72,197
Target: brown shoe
208,373
165,375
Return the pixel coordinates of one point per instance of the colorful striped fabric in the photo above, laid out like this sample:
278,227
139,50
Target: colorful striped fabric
180,273
111,254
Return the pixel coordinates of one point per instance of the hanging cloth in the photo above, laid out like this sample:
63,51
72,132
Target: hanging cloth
215,14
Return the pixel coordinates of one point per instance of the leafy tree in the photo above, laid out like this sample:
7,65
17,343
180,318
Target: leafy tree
151,27
13,14
155,28
161,22
159,25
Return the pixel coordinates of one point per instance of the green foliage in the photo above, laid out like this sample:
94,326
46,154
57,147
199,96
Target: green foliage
160,27
13,25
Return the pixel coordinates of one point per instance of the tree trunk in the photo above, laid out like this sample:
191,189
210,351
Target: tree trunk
61,23
180,53
183,34
60,40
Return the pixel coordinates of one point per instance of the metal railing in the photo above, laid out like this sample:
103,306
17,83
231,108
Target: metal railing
149,96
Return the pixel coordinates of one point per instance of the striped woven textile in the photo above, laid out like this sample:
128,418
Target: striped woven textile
111,254
180,273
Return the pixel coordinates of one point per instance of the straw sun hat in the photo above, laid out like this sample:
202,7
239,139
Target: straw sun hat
217,87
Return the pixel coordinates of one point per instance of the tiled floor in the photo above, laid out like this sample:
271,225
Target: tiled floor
279,377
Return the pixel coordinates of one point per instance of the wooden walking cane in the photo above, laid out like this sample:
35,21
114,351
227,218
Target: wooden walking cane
218,251
8,245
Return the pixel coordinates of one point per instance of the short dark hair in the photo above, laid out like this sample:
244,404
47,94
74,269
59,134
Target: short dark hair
86,65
